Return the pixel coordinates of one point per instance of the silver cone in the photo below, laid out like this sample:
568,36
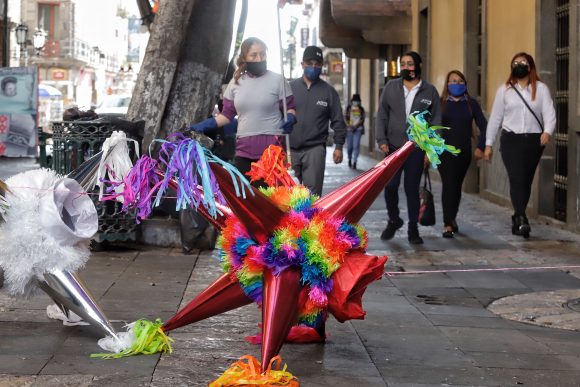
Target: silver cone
69,292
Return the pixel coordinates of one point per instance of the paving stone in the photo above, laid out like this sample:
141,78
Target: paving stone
493,340
469,321
63,380
396,374
63,364
525,361
120,381
523,377
546,280
22,364
492,280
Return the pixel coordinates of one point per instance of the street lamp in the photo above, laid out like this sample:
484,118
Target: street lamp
21,34
38,40
21,38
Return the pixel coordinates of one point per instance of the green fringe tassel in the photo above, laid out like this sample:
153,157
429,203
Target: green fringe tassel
427,139
149,339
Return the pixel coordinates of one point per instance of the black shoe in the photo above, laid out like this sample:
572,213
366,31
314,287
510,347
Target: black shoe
454,226
392,227
354,165
448,234
414,238
523,226
520,226
349,164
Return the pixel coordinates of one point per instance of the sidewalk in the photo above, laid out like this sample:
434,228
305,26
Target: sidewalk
420,330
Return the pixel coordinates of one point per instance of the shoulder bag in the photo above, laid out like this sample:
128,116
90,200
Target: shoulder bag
427,206
528,106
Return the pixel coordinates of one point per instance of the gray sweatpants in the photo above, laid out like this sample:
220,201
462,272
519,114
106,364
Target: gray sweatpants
308,165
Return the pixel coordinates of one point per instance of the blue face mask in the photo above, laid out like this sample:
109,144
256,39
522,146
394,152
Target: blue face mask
312,73
457,89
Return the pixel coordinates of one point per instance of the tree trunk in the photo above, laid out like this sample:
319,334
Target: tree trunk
184,63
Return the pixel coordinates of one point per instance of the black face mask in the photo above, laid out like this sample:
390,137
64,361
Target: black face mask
520,71
257,68
406,74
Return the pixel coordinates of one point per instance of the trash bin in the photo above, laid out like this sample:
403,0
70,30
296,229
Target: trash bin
73,143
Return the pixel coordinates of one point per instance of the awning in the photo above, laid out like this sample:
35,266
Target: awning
48,91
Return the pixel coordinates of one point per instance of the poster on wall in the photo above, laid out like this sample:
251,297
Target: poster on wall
18,111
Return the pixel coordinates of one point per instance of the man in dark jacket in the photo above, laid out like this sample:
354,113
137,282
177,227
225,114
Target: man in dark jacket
401,97
317,104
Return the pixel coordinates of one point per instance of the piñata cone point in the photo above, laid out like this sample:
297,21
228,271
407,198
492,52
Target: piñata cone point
279,310
222,295
353,199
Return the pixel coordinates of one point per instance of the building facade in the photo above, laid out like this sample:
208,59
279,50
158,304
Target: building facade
86,46
479,38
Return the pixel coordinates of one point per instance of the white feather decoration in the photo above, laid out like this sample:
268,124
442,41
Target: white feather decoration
115,160
45,228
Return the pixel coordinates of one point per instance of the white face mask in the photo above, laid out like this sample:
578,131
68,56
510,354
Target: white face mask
355,103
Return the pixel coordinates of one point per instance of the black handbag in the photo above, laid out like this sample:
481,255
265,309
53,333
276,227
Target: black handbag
427,206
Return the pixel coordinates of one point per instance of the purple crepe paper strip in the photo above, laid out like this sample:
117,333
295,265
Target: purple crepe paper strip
138,187
179,157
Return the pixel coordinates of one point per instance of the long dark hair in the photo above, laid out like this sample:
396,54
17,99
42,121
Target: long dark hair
533,76
241,59
445,92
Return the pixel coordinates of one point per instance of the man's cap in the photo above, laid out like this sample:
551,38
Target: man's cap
312,53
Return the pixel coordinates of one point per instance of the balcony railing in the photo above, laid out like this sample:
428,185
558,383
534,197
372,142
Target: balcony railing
76,49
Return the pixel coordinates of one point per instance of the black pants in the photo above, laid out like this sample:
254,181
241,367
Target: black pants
244,165
452,170
521,154
413,169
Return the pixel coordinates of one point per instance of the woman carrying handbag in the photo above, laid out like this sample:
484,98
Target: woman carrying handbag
524,110
459,110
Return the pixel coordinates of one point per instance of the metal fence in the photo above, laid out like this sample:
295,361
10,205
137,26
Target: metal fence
77,141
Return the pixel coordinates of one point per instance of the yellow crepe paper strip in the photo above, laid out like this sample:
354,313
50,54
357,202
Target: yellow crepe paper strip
246,372
149,339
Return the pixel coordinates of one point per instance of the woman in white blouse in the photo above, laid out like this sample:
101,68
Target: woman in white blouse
524,111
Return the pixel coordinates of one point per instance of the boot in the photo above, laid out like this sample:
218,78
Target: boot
523,226
349,163
520,226
354,165
391,229
414,237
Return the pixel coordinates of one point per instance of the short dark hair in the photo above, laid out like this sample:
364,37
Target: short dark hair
6,81
417,59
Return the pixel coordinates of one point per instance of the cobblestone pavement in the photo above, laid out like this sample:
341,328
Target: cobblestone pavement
421,329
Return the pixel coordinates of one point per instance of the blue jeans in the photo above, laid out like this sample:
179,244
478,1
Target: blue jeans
353,143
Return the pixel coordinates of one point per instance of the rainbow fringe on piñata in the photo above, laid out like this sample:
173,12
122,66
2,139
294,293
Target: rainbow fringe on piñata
306,238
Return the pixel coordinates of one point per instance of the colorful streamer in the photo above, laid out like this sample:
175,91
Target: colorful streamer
186,163
272,168
427,139
148,338
306,237
246,372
